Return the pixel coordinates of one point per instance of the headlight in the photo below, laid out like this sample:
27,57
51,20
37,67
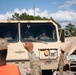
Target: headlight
53,52
46,52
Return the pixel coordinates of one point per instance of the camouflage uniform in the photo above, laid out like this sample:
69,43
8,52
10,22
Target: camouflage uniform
44,38
35,64
34,69
66,73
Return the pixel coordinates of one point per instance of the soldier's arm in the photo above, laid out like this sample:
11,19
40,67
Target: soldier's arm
34,61
35,64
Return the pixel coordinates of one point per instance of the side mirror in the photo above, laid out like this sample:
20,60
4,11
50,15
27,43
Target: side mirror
62,37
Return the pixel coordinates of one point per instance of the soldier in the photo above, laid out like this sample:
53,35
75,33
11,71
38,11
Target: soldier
43,35
66,71
7,69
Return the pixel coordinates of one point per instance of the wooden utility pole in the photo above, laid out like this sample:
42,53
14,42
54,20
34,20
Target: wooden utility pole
34,11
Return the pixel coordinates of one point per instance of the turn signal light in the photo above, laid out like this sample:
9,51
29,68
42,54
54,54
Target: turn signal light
46,52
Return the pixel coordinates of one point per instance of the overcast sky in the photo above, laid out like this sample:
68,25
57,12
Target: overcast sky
63,11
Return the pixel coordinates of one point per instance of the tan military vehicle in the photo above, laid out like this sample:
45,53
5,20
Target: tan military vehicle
48,48
70,52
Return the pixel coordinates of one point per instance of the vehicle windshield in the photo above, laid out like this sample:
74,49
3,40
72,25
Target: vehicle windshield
9,31
38,32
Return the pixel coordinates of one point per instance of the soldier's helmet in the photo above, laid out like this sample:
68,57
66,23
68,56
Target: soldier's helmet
3,44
